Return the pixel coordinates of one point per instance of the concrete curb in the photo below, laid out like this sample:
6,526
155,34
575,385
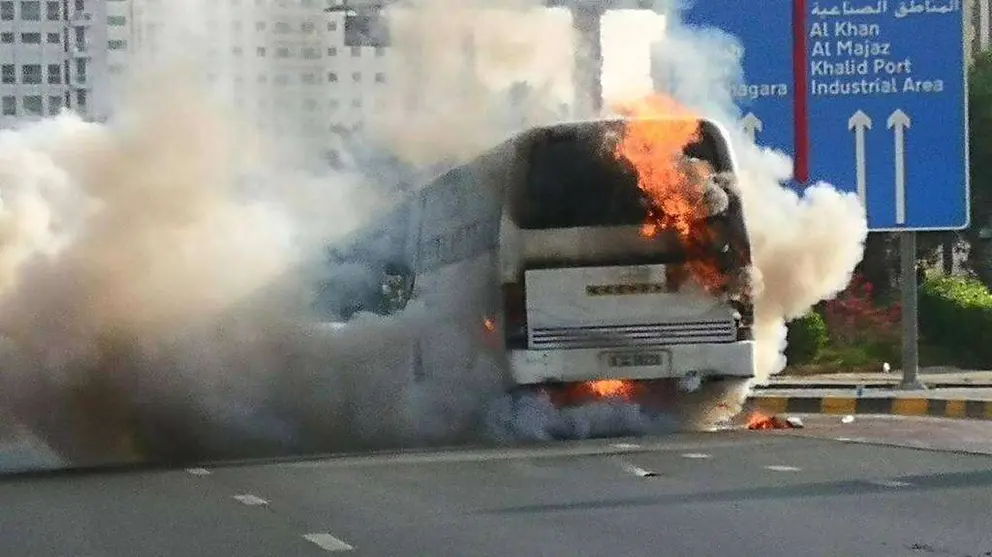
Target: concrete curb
898,406
869,385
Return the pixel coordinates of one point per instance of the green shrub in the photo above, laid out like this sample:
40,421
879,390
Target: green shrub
807,337
956,316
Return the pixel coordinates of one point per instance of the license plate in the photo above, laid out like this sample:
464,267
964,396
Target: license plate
635,359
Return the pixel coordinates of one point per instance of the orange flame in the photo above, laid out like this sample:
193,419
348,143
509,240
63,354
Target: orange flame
609,388
655,136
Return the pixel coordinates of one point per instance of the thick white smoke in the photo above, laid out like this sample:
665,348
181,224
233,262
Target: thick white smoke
152,278
155,270
139,259
463,75
154,284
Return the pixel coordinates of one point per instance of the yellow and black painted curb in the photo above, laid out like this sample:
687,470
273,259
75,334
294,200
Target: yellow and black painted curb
898,406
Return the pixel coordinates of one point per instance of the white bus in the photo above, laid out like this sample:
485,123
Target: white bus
533,254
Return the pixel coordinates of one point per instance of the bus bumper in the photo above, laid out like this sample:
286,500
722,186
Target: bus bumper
529,367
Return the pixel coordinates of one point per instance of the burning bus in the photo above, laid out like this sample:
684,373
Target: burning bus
590,259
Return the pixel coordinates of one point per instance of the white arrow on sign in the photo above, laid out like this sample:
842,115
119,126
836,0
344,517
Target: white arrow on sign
752,125
899,122
858,123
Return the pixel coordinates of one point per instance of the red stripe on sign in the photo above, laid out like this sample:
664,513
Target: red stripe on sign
800,87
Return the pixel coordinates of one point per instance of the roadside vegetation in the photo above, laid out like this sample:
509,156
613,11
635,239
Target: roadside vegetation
858,332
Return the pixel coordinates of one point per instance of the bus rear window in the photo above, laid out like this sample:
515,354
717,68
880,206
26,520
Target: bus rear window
573,180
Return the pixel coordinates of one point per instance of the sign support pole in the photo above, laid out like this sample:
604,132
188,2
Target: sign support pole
910,313
984,27
587,26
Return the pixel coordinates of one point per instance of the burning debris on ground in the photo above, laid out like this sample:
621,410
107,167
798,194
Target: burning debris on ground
761,420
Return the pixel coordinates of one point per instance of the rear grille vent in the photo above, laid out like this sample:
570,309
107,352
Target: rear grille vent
659,334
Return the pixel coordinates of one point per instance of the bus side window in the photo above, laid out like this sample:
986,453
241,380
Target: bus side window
397,287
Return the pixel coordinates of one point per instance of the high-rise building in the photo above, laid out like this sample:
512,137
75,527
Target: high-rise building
33,60
58,53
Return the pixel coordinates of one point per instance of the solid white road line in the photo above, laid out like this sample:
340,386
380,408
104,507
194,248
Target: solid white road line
695,455
327,542
251,500
198,471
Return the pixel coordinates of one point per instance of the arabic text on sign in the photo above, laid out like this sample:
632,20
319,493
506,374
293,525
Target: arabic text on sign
904,9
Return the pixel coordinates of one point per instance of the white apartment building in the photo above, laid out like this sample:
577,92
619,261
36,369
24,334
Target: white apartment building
285,62
57,53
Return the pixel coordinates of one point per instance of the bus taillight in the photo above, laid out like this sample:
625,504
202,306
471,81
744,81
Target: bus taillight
514,316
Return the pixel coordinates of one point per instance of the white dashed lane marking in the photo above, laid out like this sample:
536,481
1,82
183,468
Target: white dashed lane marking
323,540
251,500
782,468
637,470
889,483
625,446
695,455
327,542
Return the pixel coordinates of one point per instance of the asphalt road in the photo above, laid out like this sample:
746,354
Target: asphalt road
20,450
765,494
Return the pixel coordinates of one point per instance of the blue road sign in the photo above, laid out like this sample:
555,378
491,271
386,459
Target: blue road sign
766,98
877,95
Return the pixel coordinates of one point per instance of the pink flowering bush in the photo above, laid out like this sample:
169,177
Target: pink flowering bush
859,334
854,318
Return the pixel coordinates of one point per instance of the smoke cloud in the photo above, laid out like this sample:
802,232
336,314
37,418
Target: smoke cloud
158,271
139,266
154,272
464,75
